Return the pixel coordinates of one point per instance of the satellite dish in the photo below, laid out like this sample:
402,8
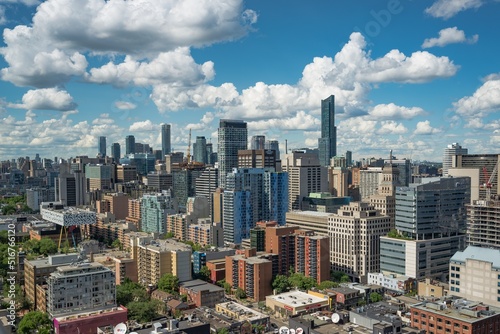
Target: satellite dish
121,328
335,318
284,330
299,331
292,331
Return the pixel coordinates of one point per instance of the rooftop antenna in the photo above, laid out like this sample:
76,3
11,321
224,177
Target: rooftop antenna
390,157
286,146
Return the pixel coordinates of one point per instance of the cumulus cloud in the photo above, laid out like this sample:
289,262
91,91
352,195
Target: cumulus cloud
449,8
3,18
486,99
391,127
143,126
52,49
425,128
395,112
124,105
47,99
300,121
449,36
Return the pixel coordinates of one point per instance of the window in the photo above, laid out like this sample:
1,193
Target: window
457,290
458,275
456,325
465,327
448,322
452,288
423,315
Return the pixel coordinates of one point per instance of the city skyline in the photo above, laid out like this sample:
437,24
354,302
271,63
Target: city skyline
408,76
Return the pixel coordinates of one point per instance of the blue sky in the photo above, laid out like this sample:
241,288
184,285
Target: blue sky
411,76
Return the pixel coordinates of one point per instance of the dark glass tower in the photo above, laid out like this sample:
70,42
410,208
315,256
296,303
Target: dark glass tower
327,144
116,152
165,140
129,144
102,146
233,136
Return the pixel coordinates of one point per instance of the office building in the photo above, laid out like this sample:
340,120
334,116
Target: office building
305,176
385,198
99,177
396,283
257,159
154,211
405,170
258,142
211,155
327,144
207,183
165,140
273,145
70,189
483,223
160,181
115,203
80,287
126,173
184,183
369,181
143,162
309,220
129,145
324,202
348,158
200,150
35,196
449,153
101,149
338,181
354,239
159,257
232,137
484,165
430,228
475,275
116,152
449,315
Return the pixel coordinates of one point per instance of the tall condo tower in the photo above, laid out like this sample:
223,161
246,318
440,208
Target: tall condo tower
258,142
165,140
449,153
102,146
327,144
232,136
129,144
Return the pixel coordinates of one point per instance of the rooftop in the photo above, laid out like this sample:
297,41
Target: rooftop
478,254
245,313
297,298
160,245
460,309
199,285
311,213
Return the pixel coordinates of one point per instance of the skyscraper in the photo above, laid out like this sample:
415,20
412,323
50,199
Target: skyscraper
232,136
129,144
116,152
327,144
275,146
200,150
102,146
258,142
449,153
165,140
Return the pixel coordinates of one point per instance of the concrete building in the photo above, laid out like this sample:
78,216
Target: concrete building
154,211
243,314
89,322
217,269
385,198
273,145
258,142
354,233
134,212
232,137
80,287
159,257
200,258
295,303
312,255
455,316
99,177
369,181
475,275
206,234
160,181
257,158
251,272
207,183
305,176
327,144
115,203
66,216
202,293
126,173
324,202
380,317
165,140
449,153
480,162
432,288
310,220
338,183
70,189
392,282
35,196
483,223
184,183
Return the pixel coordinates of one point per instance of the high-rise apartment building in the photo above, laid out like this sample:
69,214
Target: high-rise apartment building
129,144
232,137
449,152
354,239
206,183
258,142
184,183
275,146
160,181
165,140
483,165
102,146
116,152
70,189
80,287
115,203
200,150
211,155
257,159
430,224
327,144
305,176
483,223
312,255
154,211
385,198
99,177
369,181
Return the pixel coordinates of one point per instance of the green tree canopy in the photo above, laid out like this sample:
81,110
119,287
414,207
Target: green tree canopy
35,320
168,283
47,246
129,292
143,311
327,285
375,297
117,244
339,276
240,293
281,284
223,330
204,274
298,280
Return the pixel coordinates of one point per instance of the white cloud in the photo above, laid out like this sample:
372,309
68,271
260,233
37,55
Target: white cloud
449,36
204,123
425,128
143,126
300,121
24,2
486,99
391,127
50,51
449,8
394,112
3,18
124,105
47,99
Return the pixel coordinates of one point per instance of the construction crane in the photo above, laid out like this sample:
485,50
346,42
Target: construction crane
188,155
489,180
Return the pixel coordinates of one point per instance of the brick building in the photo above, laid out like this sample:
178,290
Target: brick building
202,293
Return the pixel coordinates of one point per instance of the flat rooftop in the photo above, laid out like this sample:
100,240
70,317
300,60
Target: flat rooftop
160,245
199,285
245,313
297,298
381,311
311,213
478,254
460,309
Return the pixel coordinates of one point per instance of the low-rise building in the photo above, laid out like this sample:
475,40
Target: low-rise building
88,322
347,297
243,314
296,302
392,282
380,317
202,293
217,269
432,288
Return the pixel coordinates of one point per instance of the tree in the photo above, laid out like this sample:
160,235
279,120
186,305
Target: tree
129,292
204,274
227,287
144,311
375,297
117,244
47,246
168,283
327,285
240,293
223,330
169,235
302,282
281,284
259,328
9,210
35,320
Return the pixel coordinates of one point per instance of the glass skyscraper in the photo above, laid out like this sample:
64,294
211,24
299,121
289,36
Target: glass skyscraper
116,152
200,150
232,137
165,140
129,144
327,144
102,146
